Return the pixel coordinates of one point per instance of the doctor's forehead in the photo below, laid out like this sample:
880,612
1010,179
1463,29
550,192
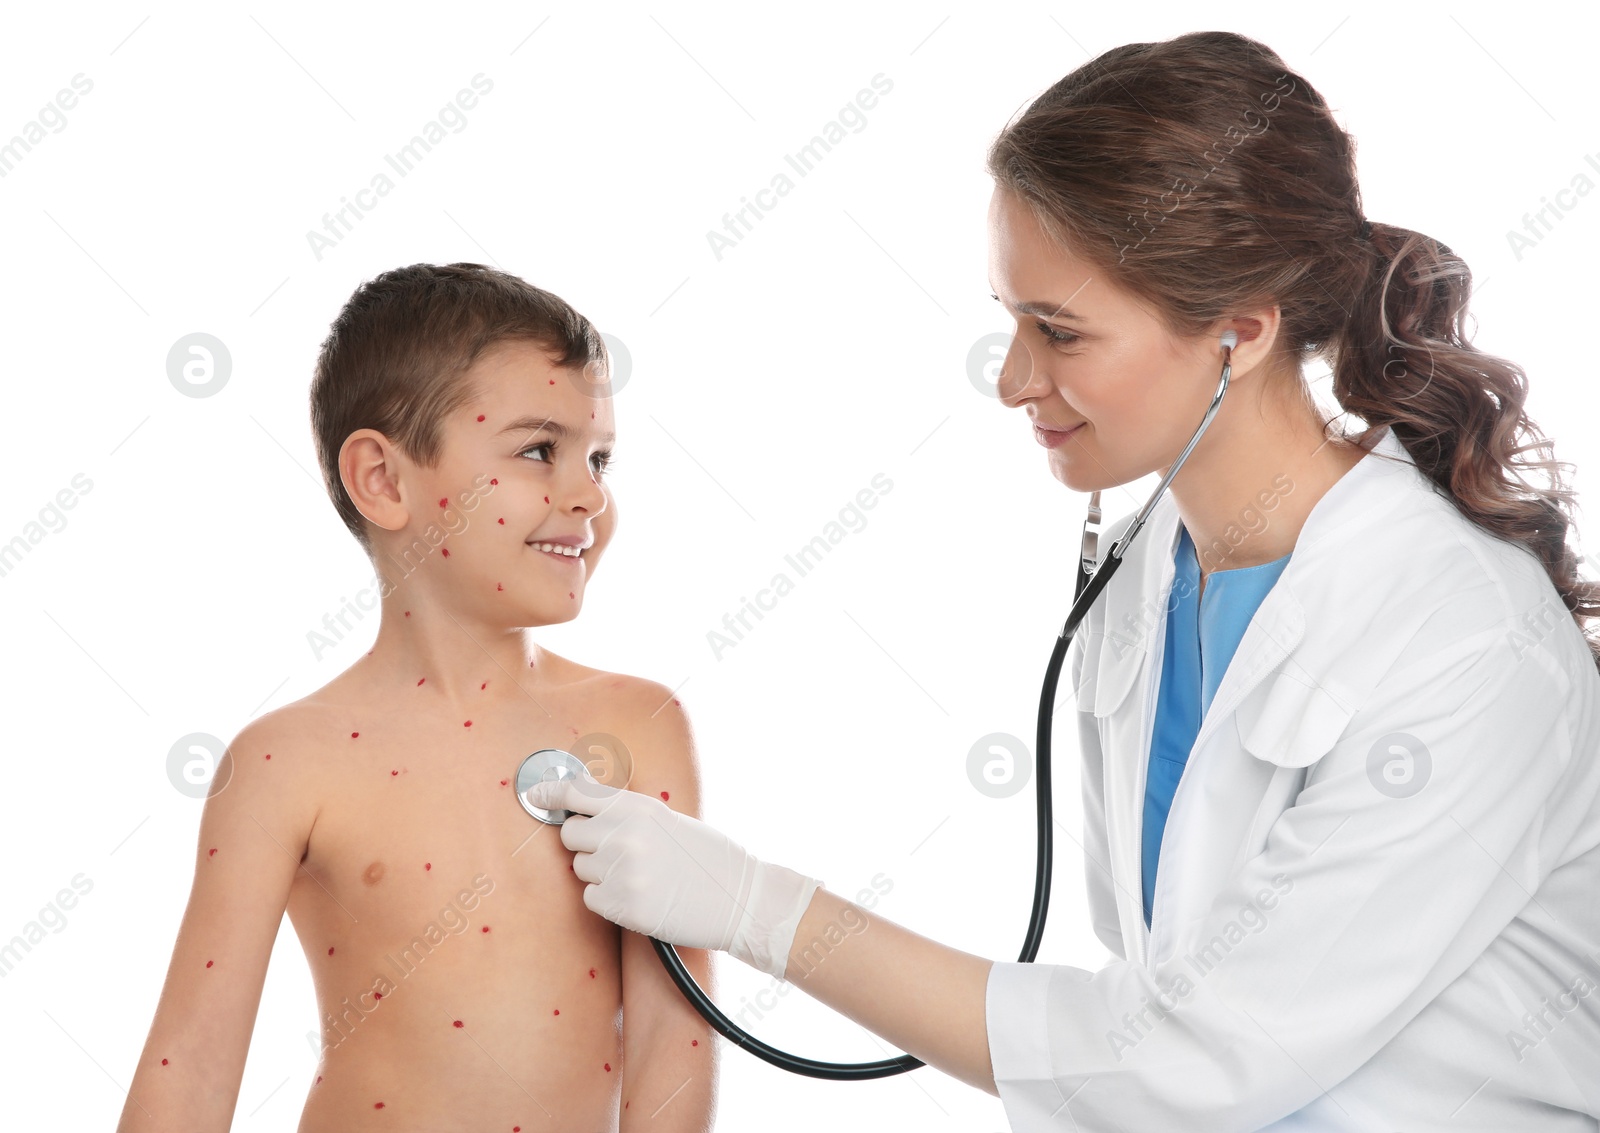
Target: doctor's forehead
1028,270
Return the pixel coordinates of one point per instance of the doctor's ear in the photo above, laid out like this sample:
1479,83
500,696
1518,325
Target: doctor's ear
1257,334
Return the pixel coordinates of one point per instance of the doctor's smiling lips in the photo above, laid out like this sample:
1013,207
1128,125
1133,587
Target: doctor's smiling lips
1051,437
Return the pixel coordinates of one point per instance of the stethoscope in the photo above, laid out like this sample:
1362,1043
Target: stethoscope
554,763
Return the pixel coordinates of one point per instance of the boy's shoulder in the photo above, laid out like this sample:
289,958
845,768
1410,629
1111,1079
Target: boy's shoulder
648,718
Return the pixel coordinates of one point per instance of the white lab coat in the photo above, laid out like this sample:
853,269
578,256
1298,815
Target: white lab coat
1327,952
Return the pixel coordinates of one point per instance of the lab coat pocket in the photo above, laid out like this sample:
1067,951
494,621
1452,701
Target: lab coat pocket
1292,722
1110,663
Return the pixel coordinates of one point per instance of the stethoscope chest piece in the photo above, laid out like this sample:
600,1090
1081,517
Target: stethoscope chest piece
542,766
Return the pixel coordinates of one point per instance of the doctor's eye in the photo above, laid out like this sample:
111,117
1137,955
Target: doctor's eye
1055,335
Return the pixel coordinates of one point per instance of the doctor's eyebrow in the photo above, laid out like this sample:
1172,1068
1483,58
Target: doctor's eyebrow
548,424
1042,310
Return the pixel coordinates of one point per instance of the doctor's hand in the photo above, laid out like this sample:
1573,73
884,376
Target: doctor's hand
668,875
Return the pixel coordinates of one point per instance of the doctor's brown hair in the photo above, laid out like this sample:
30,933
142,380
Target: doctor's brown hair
1205,177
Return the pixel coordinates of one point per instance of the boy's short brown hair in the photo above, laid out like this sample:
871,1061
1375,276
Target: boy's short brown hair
394,358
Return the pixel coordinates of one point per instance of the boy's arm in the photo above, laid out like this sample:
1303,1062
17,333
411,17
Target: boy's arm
669,1055
253,835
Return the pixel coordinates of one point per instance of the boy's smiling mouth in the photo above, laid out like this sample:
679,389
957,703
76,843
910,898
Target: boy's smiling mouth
562,547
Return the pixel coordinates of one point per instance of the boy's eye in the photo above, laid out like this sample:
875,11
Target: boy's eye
1055,335
603,456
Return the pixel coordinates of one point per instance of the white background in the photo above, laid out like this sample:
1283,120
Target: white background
767,389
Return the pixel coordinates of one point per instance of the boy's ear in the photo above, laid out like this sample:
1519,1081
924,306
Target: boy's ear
368,466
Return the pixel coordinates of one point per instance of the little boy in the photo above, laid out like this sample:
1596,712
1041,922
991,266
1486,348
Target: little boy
463,426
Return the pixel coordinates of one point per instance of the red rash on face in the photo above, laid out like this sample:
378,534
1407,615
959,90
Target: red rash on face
459,1023
394,772
447,552
557,1011
330,952
377,995
694,1042
163,1062
212,852
502,523
547,499
444,501
269,755
466,724
480,416
485,928
494,481
608,1068
377,1105
497,586
570,594
353,735
552,381
483,686
408,613
591,973
210,962
427,865
665,796
420,680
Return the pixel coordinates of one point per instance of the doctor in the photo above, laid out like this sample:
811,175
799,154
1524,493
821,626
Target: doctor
1340,726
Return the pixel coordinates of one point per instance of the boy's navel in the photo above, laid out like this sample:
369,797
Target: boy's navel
373,874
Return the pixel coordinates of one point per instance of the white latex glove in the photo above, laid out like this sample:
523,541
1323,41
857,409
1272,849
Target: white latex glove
673,877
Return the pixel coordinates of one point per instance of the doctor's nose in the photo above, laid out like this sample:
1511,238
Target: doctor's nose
1019,378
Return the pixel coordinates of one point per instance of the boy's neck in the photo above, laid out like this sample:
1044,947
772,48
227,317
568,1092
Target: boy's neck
444,653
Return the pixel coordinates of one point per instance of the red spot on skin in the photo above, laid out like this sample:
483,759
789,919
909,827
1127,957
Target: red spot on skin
330,952
408,613
377,1105
377,995
163,1062
444,501
694,1042
494,481
503,782
547,499
608,1068
394,772
353,735
427,865
269,755
570,594
466,724
675,701
591,973
447,552
210,962
420,680
552,381
485,928
480,416
502,523
557,1011
497,586
569,866
516,1129
665,796
319,1077
459,1023
212,852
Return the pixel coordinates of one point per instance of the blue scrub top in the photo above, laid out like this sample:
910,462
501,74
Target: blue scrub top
1202,634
